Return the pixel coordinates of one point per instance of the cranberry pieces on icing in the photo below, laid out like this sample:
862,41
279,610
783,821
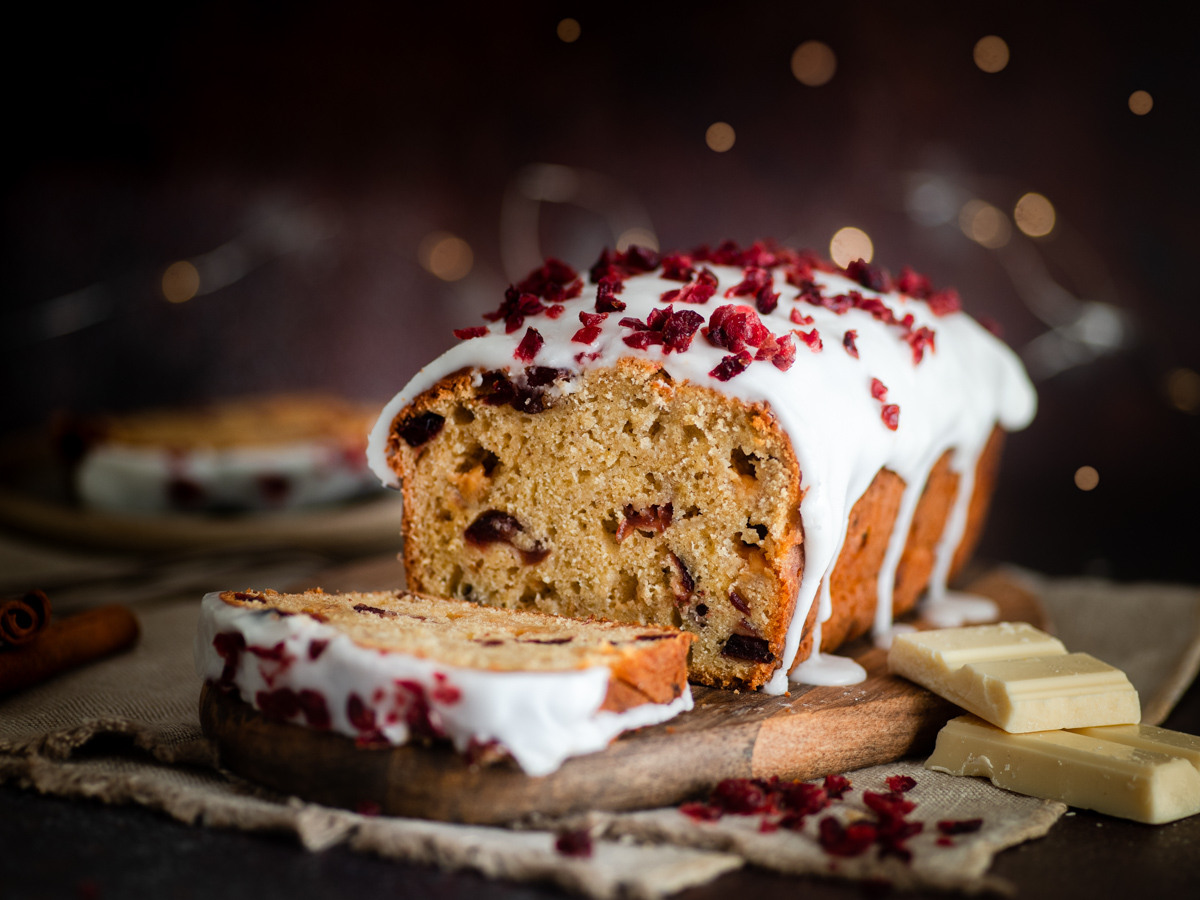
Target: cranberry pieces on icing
671,329
529,346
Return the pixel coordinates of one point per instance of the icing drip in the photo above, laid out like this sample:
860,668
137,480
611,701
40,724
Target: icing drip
951,380
953,609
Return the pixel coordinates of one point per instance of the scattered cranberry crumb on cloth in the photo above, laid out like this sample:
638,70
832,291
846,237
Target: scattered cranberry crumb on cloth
896,823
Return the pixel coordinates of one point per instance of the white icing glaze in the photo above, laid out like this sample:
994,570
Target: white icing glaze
965,384
121,478
540,718
953,609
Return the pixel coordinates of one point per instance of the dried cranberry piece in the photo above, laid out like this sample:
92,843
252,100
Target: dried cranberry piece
474,331
754,280
416,711
654,519
492,526
604,267
734,328
589,320
418,430
945,302
849,340
541,376
315,648
700,812
799,318
919,340
739,602
888,806
891,415
731,365
555,280
586,335
741,796
577,842
677,267
836,786
803,798
361,716
869,276
312,704
901,784
529,346
375,611
606,295
749,648
229,646
699,291
785,353
639,259
913,283
878,389
837,839
959,826
516,307
811,339
496,388
443,691
679,329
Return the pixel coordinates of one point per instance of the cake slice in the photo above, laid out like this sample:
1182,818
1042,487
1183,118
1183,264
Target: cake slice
390,667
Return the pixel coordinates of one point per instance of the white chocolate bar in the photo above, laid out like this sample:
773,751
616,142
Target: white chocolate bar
1150,737
1016,677
1147,782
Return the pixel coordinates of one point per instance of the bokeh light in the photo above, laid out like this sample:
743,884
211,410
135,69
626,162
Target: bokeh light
568,31
1086,478
445,255
984,224
1183,390
720,137
813,63
849,244
1034,215
991,53
1140,103
180,282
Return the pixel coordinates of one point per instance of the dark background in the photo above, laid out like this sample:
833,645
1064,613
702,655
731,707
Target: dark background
302,151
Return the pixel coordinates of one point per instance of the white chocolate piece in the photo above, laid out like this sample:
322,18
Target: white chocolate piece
1150,737
1117,779
1016,677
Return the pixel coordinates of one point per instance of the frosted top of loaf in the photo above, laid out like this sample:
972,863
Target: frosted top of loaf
862,372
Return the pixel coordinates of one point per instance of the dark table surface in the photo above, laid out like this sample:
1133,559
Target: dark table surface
51,847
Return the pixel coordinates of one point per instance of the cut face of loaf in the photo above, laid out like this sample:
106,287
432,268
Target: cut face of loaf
629,496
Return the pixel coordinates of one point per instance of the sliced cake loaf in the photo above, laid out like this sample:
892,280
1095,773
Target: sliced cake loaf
770,452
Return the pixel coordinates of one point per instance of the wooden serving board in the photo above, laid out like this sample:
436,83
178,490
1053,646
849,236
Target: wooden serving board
812,731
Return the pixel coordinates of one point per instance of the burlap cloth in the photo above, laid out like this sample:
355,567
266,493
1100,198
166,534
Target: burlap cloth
126,731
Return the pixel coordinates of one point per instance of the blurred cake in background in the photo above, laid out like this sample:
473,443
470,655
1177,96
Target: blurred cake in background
271,452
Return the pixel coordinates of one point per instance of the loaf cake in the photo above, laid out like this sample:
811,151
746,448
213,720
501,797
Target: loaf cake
269,452
390,667
770,452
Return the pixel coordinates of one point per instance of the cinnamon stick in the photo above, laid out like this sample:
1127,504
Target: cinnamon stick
66,644
22,617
